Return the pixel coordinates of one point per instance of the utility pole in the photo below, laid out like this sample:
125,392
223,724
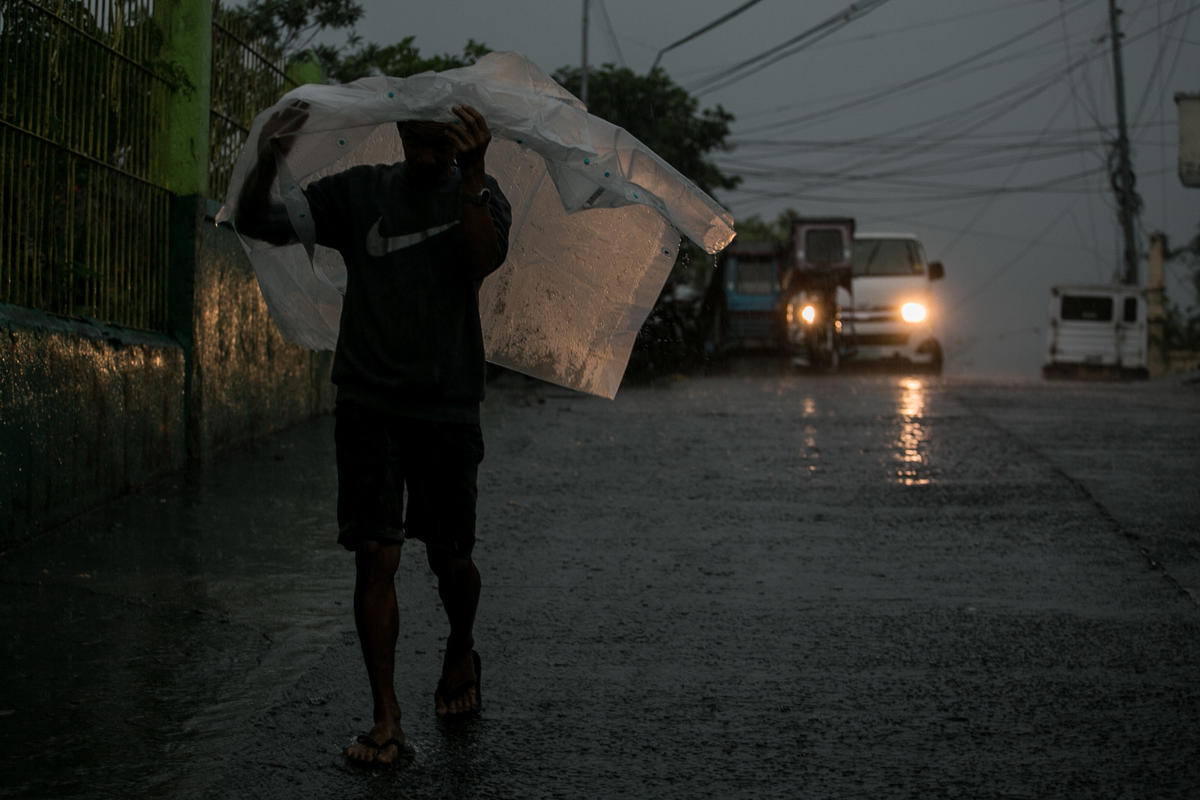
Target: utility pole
1121,166
583,70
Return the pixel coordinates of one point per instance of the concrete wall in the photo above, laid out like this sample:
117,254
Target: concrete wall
246,381
88,412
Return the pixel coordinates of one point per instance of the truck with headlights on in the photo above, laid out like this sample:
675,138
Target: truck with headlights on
890,310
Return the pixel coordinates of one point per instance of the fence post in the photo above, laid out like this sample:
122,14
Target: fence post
187,46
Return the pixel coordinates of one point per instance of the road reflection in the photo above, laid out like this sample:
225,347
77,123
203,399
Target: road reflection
910,444
810,432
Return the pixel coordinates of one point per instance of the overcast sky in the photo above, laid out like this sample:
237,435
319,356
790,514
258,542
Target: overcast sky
981,126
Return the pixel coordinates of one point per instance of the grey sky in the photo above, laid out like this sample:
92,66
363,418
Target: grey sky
978,125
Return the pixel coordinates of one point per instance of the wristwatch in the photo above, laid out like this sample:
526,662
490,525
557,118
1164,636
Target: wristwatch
480,199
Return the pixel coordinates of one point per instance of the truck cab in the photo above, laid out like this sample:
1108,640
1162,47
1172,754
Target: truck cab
817,288
892,314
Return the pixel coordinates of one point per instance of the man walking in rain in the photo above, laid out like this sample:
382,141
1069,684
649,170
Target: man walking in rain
418,238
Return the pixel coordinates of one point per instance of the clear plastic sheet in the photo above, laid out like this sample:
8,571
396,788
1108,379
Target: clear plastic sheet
596,215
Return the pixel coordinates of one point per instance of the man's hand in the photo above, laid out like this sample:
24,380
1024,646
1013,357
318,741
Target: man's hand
281,128
254,202
471,138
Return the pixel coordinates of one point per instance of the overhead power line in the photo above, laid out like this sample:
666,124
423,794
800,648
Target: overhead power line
1075,107
745,69
1146,93
988,111
917,190
715,23
612,34
1016,168
957,123
940,20
1099,49
989,141
959,303
976,162
925,24
889,92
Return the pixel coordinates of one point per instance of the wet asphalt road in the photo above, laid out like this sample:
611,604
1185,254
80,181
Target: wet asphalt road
751,584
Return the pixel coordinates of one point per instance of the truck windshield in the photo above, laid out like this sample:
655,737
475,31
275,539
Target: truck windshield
1082,308
887,257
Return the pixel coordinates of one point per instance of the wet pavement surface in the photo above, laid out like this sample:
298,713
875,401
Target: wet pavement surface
750,584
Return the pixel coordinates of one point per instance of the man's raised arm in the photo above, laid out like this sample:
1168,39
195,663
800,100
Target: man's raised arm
471,137
257,216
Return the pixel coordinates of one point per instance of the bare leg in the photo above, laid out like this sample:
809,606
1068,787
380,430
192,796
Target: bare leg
458,586
378,621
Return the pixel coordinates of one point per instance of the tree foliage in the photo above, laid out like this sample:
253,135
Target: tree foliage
398,60
779,232
291,26
1182,324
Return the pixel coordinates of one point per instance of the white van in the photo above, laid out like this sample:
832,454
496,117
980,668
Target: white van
1097,329
892,314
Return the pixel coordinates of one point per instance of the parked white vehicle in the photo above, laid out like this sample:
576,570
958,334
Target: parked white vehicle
1097,329
892,314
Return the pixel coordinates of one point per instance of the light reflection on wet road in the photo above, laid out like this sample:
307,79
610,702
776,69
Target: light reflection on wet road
911,442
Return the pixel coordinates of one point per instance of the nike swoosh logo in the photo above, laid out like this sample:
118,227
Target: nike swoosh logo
379,246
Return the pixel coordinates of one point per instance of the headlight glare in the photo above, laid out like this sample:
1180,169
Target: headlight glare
913,312
808,313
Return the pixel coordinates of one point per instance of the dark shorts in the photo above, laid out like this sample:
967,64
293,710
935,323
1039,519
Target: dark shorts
380,454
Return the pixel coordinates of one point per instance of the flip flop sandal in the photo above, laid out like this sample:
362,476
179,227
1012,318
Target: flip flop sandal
378,748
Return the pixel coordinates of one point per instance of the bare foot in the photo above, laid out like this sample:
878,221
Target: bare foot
458,691
379,746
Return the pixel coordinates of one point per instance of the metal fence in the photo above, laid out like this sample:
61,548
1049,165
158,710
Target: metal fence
83,205
247,76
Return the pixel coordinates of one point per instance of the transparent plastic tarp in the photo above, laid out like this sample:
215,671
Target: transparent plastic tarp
596,215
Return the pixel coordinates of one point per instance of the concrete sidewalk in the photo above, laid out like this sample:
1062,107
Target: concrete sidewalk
739,586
